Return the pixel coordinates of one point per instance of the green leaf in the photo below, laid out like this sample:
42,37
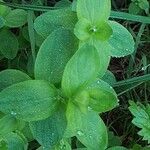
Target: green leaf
144,4
81,70
50,131
85,30
121,41
63,145
4,10
2,22
15,142
88,127
141,118
53,19
11,76
93,10
54,54
63,3
113,140
8,44
134,8
117,148
7,124
102,96
30,100
109,78
16,18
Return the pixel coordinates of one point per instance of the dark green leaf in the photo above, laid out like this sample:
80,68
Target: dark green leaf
52,20
11,76
54,54
29,100
50,131
16,18
8,44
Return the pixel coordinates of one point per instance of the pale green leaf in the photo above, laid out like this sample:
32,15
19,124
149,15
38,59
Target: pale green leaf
50,131
53,19
81,70
4,10
29,100
54,54
94,10
8,44
88,127
16,18
11,76
121,41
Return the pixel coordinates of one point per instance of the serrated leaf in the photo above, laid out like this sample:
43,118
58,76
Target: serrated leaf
88,127
93,10
54,19
81,70
30,100
50,131
54,54
102,96
11,76
121,41
16,18
141,118
8,44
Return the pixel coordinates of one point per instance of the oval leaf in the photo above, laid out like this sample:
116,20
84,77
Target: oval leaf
54,54
102,96
16,18
82,69
53,19
11,76
29,100
8,44
50,131
94,10
121,41
88,127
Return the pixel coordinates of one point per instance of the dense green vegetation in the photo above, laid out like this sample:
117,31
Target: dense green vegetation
74,75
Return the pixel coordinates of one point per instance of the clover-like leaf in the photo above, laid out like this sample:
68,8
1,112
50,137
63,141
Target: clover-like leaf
53,19
54,54
81,70
30,100
121,41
